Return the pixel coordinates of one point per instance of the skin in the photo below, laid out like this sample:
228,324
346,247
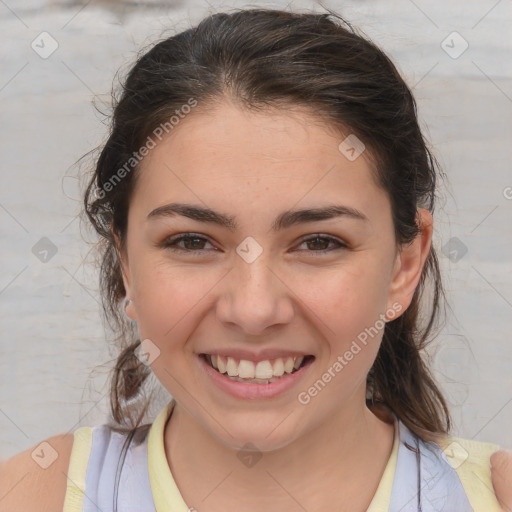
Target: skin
334,445
501,472
254,166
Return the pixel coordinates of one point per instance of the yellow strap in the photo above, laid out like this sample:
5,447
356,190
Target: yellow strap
80,453
382,497
471,461
166,494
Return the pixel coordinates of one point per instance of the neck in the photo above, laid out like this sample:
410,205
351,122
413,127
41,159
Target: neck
343,459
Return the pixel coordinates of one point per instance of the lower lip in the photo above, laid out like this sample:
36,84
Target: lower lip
253,390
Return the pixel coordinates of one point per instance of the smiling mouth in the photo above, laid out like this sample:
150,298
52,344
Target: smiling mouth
262,372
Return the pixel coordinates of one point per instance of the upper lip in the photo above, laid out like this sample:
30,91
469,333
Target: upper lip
263,355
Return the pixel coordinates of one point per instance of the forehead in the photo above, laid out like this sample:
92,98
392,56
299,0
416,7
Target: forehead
231,157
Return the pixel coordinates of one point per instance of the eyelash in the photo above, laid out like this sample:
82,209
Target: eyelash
172,241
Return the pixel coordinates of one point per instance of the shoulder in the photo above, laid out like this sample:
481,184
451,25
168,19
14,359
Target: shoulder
26,477
473,461
501,471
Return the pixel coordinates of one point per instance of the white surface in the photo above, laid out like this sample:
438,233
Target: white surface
52,337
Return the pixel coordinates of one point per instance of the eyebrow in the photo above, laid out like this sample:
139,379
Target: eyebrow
283,220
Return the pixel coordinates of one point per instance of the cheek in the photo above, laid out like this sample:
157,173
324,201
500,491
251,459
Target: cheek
167,300
348,307
348,310
345,297
341,301
166,315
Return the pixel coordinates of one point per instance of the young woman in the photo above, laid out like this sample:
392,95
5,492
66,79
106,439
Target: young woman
265,205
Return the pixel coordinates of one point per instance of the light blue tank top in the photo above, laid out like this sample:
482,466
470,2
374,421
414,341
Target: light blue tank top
424,481
134,490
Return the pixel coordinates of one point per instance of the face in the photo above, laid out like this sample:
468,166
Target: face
251,281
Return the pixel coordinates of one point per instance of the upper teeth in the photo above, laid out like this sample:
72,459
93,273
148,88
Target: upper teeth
249,370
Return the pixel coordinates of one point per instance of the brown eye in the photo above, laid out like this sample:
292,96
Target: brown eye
191,243
320,243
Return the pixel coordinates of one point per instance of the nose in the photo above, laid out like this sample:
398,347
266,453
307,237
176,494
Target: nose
255,298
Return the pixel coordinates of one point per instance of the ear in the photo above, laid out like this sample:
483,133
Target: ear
409,262
125,272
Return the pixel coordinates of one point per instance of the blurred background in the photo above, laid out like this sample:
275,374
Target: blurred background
60,56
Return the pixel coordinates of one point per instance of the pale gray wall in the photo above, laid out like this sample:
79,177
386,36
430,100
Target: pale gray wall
52,336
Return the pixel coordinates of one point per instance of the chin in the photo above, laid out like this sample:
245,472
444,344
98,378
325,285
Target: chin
246,436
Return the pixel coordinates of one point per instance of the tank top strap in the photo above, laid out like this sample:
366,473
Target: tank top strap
424,480
472,462
93,470
453,475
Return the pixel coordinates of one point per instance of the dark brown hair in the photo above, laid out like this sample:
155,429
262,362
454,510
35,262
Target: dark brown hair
261,59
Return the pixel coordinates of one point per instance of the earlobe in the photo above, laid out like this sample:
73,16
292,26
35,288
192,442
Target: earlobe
129,309
409,263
